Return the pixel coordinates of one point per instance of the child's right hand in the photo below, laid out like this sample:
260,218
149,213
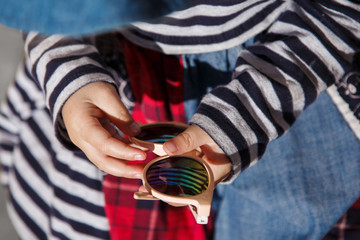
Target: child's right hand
87,115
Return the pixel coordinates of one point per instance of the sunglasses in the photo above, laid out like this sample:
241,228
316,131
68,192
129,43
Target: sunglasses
183,179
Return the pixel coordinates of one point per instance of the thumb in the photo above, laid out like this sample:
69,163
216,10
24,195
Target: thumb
190,139
109,102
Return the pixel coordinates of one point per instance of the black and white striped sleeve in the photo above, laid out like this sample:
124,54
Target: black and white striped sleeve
61,66
309,47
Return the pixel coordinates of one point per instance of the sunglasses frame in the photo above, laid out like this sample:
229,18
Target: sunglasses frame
200,204
157,148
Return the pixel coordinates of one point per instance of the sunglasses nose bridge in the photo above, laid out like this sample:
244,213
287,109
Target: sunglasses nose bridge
158,149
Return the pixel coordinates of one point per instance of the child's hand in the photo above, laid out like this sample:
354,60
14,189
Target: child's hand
194,137
88,115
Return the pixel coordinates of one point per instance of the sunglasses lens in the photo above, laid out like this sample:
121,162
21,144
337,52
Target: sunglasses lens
159,133
178,176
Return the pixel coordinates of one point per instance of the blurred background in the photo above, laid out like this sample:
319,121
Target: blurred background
11,53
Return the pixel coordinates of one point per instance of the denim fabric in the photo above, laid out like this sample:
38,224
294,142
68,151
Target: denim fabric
81,16
203,72
304,183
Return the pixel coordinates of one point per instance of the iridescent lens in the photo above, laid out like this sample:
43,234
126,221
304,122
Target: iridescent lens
178,176
159,133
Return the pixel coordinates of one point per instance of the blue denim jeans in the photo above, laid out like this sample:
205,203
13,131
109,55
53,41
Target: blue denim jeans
302,185
205,71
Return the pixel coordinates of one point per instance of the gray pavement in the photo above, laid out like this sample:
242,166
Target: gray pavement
11,52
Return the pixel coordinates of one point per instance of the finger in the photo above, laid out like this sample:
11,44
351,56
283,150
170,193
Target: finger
192,138
142,189
213,154
100,139
109,126
176,204
114,133
114,166
218,162
109,102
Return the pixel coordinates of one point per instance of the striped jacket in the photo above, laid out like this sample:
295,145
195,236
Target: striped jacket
304,47
308,46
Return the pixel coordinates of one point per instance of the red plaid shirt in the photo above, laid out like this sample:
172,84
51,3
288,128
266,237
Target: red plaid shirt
157,83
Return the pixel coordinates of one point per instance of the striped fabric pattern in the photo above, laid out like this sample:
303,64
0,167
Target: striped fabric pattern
208,26
278,77
55,193
308,46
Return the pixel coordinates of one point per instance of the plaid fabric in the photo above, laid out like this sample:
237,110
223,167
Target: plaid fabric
348,226
157,83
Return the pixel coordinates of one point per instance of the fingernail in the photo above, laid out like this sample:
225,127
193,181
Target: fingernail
135,128
138,175
170,146
139,157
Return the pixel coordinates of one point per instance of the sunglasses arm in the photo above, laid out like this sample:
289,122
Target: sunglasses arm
201,213
144,196
201,207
